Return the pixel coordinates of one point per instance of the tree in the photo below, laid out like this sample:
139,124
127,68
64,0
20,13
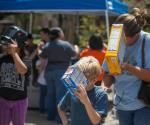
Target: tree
90,25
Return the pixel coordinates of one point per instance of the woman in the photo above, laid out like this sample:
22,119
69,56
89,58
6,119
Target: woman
58,54
130,110
13,90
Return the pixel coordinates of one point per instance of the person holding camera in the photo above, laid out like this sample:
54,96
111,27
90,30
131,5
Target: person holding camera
90,104
130,109
13,91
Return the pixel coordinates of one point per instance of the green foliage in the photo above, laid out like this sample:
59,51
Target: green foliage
22,20
147,29
36,30
90,25
37,41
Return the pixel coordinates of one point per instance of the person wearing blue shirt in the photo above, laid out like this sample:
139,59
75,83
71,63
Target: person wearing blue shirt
131,110
89,106
58,54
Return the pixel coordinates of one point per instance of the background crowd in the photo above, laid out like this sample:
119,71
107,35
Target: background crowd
49,60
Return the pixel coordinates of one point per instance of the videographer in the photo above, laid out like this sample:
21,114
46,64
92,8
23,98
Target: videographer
13,91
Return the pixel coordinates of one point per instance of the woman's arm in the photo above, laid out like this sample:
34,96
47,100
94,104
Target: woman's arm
13,51
42,64
108,80
20,66
143,74
33,54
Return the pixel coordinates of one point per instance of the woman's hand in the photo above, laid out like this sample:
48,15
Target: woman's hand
139,72
125,66
12,48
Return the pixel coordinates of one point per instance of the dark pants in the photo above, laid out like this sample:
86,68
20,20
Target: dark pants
56,91
43,96
136,117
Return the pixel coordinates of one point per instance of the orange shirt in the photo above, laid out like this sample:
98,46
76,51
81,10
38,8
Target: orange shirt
98,54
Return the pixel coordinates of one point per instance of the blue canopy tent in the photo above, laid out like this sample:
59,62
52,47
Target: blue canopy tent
63,6
100,7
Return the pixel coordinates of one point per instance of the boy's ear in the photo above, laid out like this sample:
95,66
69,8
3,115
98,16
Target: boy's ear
94,81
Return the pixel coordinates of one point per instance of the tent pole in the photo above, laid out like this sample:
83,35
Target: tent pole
30,22
77,27
78,24
107,23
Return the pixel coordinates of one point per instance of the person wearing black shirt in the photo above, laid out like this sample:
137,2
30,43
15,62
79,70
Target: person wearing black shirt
13,91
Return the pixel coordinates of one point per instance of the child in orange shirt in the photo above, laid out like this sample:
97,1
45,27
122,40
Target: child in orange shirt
96,50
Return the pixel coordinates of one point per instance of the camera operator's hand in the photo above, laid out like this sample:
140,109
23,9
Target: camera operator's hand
14,51
12,48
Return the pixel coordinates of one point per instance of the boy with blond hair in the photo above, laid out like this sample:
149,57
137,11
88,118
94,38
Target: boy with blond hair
90,105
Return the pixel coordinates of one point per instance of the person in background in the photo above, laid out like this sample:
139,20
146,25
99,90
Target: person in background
131,110
40,66
96,50
31,54
45,35
58,54
13,90
30,46
43,87
45,39
90,105
75,58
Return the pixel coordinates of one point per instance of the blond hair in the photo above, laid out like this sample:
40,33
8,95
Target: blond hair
90,67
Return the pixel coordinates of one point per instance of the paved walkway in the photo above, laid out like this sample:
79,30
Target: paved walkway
35,118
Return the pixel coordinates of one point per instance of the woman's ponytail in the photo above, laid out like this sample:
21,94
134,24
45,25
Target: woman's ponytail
140,16
133,23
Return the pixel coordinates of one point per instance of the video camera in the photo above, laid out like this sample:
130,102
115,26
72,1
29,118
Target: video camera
12,33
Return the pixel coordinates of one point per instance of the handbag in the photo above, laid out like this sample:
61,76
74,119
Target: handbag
144,92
